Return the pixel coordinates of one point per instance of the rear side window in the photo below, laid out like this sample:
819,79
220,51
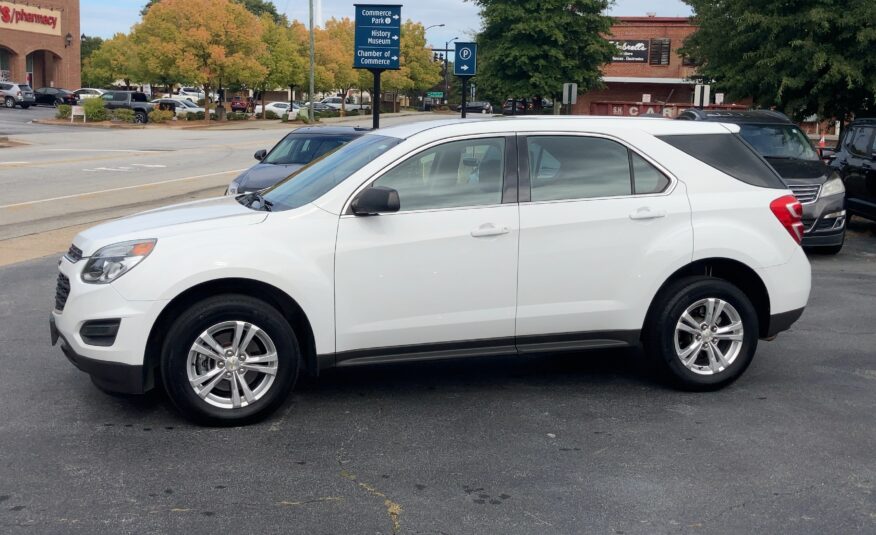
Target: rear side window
573,167
728,154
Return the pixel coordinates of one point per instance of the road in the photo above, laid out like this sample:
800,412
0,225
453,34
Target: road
571,443
63,179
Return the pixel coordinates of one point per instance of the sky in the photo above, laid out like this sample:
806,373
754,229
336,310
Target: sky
103,18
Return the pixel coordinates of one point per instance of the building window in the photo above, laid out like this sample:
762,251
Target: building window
5,74
660,49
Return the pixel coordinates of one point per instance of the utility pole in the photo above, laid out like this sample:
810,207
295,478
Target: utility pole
312,61
446,57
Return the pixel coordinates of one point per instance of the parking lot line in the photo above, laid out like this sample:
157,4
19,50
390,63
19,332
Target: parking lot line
86,194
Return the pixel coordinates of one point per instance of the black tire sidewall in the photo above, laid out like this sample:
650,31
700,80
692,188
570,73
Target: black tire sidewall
676,299
200,317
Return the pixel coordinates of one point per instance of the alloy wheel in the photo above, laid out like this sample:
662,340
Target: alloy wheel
232,364
708,336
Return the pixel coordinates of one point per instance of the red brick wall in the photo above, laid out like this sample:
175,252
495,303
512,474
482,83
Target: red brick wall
674,28
61,65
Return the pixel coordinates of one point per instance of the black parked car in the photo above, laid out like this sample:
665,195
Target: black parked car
788,150
855,160
53,96
293,152
478,106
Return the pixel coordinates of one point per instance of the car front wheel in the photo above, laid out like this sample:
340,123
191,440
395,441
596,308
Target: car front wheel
703,331
229,360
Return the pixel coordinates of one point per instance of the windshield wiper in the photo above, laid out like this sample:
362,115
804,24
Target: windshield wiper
256,197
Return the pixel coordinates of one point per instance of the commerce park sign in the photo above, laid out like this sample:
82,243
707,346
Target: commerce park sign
29,19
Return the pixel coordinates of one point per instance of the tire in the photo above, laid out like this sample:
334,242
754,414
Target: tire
219,316
9,102
666,339
57,102
25,106
140,117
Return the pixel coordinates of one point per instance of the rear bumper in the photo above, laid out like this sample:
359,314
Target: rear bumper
783,321
112,376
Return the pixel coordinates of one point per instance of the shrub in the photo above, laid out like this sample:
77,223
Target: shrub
285,117
160,116
201,102
124,115
197,116
271,115
64,111
95,110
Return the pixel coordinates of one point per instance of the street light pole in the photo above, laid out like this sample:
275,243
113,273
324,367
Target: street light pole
446,56
312,61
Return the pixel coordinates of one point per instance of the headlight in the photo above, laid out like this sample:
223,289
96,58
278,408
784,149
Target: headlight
834,186
111,262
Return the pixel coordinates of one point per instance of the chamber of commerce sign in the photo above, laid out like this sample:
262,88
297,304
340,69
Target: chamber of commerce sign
29,19
630,51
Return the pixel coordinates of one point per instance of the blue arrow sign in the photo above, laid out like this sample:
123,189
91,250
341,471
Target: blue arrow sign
378,34
466,62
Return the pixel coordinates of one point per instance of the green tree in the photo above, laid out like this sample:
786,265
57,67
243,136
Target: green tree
284,66
89,45
256,7
803,56
531,47
212,41
116,59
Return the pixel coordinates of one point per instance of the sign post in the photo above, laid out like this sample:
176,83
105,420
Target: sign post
376,46
570,96
465,65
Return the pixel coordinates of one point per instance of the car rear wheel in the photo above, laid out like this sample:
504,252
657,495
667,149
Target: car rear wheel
703,331
57,102
25,106
229,360
140,117
9,102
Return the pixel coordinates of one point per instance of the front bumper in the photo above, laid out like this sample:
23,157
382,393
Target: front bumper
122,365
112,376
824,222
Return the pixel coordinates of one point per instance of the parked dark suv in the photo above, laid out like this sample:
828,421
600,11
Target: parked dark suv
855,160
782,144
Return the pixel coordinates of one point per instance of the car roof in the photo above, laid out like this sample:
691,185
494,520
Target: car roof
736,116
581,123
330,130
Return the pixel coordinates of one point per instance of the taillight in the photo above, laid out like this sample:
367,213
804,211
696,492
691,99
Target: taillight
789,212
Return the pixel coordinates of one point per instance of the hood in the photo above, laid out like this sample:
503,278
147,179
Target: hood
797,171
197,216
262,175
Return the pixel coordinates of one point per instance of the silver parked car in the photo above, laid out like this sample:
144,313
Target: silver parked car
20,95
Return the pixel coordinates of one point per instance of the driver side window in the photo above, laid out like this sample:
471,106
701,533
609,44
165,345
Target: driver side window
450,175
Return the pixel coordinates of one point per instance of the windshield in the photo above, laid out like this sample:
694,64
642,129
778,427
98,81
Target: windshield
315,180
186,103
779,141
303,148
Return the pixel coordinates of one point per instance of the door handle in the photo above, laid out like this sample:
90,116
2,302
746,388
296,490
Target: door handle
489,229
646,213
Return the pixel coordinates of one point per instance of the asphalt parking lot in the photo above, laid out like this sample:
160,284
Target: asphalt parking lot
566,443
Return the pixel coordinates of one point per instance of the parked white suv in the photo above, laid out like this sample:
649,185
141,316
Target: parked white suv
445,239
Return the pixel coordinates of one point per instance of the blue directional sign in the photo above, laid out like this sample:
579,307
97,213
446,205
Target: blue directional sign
378,32
466,62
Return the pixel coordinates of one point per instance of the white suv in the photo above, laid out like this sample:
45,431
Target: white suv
445,239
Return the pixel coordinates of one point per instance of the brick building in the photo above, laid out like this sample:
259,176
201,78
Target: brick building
39,42
647,74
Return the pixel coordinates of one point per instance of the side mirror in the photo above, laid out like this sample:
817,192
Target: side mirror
260,154
376,200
